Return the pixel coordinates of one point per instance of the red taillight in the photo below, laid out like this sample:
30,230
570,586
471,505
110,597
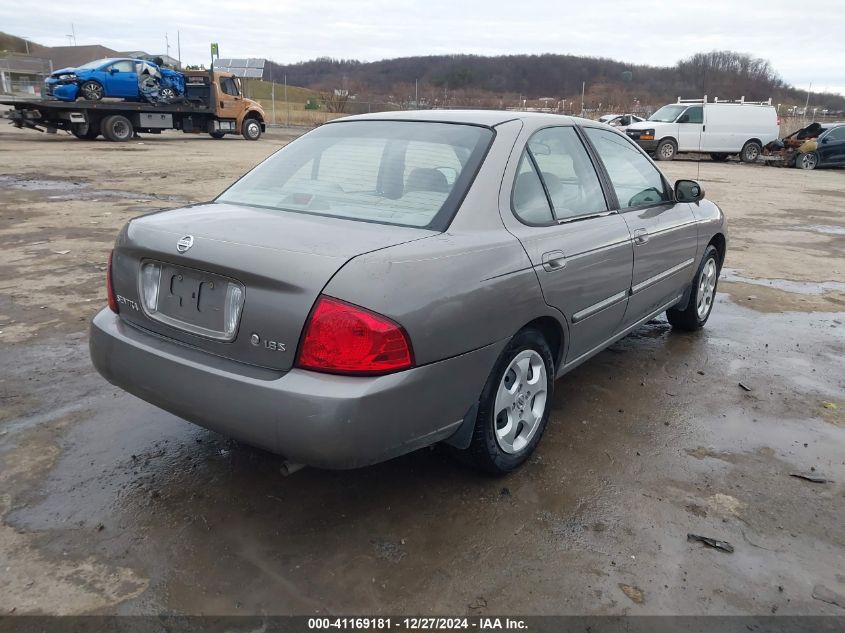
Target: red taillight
110,288
341,338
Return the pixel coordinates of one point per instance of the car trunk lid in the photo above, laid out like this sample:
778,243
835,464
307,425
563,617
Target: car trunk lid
237,281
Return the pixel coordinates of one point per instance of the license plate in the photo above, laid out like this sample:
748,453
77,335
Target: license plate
192,300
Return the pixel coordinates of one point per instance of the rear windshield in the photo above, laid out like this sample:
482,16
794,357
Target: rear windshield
392,172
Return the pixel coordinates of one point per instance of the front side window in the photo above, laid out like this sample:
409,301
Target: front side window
695,114
228,86
570,178
393,172
635,180
837,134
124,66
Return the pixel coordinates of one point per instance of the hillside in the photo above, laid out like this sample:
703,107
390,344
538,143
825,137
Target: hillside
720,73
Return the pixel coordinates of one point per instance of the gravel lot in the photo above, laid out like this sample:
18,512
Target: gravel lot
109,505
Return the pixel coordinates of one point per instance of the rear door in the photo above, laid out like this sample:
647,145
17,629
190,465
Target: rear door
579,248
690,126
665,234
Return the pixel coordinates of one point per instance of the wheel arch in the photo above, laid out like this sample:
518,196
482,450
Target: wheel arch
552,331
720,243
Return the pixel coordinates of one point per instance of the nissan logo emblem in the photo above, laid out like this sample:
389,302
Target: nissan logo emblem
185,243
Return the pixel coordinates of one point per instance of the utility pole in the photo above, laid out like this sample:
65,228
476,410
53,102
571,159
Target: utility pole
416,94
583,85
287,104
806,104
73,32
166,45
273,99
179,49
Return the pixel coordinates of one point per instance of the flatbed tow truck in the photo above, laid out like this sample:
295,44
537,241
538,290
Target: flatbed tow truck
213,104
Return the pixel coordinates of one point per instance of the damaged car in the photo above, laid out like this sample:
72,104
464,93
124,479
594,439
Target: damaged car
130,79
817,145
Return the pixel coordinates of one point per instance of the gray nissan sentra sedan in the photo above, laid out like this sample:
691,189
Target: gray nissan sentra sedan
390,281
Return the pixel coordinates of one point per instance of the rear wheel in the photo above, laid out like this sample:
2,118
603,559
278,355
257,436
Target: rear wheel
703,294
514,405
117,128
750,152
91,91
666,149
251,129
808,160
719,158
84,131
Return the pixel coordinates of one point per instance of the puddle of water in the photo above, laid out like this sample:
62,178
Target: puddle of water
787,285
80,190
38,184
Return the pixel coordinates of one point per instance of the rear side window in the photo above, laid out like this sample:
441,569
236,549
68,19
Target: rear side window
635,180
566,178
393,172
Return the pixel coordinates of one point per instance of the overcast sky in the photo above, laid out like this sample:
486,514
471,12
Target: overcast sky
804,45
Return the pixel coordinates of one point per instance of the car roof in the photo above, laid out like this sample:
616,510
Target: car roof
486,118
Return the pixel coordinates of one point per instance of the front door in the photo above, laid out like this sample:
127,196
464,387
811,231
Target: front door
229,101
121,80
690,126
831,147
664,232
580,249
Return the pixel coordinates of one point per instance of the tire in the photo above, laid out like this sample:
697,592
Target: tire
719,158
750,152
667,149
529,397
702,296
91,90
807,160
117,128
84,131
251,129
216,134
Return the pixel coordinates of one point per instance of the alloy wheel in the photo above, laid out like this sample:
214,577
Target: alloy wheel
706,288
520,401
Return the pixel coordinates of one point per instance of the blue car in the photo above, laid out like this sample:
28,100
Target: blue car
131,79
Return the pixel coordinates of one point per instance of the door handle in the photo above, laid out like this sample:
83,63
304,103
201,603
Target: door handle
554,260
640,236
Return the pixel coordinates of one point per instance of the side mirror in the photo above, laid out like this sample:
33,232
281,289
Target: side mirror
113,71
684,118
688,191
824,140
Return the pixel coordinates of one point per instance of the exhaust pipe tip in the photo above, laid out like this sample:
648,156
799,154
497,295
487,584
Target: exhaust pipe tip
289,468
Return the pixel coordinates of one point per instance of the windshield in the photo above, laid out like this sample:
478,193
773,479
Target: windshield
667,114
393,172
95,64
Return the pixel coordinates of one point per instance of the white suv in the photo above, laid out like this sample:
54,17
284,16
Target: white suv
718,128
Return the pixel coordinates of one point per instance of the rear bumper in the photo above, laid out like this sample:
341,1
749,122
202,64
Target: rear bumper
310,418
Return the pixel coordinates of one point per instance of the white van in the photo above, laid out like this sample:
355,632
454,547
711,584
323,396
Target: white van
718,128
